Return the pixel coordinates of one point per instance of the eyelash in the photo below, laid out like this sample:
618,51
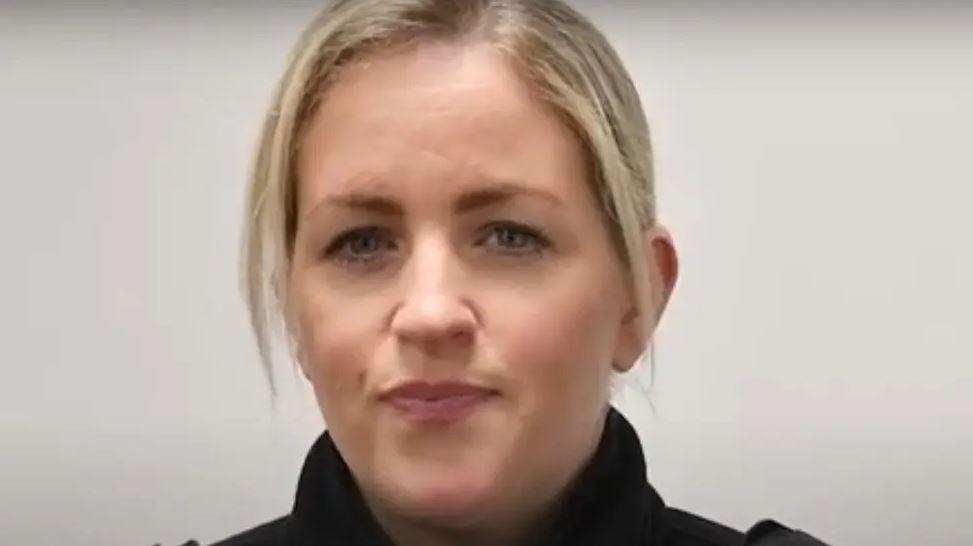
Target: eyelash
338,249
540,240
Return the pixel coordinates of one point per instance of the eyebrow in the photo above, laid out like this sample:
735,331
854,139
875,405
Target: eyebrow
499,192
365,202
493,193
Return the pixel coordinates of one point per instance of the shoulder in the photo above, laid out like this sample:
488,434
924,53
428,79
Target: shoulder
273,533
691,530
770,533
687,529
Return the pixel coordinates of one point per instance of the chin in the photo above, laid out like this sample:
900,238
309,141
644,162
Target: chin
453,474
456,494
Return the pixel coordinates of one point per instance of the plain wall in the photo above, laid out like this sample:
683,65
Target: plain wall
813,163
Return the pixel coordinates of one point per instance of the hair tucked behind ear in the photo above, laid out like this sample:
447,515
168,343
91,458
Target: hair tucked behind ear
571,65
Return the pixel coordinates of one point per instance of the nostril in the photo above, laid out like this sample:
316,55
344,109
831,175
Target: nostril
462,334
438,319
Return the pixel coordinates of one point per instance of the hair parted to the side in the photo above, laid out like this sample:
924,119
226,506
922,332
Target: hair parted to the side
569,63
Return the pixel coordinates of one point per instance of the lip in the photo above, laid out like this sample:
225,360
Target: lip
437,402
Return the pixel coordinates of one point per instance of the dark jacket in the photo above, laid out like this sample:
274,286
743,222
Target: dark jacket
612,504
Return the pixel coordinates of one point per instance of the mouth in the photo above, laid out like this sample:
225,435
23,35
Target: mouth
439,402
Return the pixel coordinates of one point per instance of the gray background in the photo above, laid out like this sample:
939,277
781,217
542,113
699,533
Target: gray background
815,365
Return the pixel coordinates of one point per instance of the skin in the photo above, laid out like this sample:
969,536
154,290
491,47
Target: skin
446,232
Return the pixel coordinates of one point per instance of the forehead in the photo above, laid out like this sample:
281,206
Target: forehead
436,117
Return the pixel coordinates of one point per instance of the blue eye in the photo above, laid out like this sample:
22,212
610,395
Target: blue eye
360,245
514,238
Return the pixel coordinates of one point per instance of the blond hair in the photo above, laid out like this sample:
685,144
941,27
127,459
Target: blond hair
567,60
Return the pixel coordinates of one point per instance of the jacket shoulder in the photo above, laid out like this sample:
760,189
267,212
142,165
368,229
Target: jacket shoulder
691,530
770,533
272,533
688,529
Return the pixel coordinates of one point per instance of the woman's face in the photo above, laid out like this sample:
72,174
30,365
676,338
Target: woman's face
455,296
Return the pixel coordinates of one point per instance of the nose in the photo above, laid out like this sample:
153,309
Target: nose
431,311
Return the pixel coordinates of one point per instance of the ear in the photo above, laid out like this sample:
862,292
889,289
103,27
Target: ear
662,267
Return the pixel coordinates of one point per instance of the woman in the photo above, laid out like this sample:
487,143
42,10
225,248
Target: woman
453,214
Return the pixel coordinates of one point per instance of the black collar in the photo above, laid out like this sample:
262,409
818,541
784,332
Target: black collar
611,502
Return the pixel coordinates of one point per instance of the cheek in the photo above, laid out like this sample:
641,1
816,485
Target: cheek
333,345
558,340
